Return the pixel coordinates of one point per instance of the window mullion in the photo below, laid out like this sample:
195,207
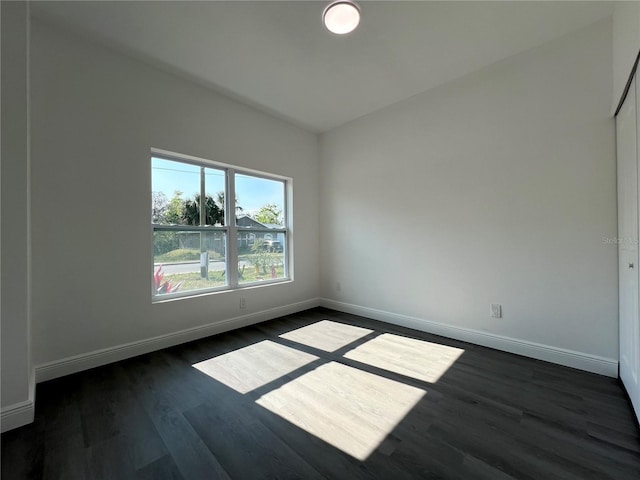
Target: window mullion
232,230
204,256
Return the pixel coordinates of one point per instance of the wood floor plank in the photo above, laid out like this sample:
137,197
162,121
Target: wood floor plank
187,449
329,461
22,453
611,463
246,448
479,470
66,458
326,335
510,430
615,437
351,409
162,469
110,459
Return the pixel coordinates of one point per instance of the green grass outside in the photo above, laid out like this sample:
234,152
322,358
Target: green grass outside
183,255
193,281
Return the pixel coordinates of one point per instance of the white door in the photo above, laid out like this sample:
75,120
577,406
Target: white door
627,158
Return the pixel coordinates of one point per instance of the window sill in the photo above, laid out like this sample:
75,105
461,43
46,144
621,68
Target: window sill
171,297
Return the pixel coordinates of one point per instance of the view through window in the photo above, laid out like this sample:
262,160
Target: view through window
215,227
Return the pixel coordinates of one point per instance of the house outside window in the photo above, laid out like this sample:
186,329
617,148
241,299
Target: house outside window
216,227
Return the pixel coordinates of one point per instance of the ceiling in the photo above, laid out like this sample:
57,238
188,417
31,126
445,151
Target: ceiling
278,57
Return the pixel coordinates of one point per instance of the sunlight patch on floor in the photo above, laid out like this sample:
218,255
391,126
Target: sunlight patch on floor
254,366
326,335
351,409
414,358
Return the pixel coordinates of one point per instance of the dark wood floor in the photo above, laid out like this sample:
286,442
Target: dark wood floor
323,394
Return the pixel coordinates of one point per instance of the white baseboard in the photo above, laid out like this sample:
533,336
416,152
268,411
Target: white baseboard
560,356
85,361
591,363
21,413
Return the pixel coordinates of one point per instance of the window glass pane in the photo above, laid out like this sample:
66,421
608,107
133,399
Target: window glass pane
214,188
260,202
261,256
188,260
176,193
172,183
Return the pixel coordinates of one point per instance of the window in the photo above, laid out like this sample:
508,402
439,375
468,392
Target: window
239,238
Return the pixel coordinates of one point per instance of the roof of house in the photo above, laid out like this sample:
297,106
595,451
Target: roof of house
248,221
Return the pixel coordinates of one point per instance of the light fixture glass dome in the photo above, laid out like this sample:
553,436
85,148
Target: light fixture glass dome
342,16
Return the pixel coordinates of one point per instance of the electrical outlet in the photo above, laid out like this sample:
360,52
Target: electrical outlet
243,303
338,287
495,310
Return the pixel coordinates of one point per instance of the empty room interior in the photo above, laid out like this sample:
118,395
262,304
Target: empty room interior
305,239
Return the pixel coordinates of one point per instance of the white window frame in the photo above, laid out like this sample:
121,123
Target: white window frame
230,229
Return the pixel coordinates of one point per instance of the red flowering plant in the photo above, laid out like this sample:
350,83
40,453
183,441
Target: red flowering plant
165,287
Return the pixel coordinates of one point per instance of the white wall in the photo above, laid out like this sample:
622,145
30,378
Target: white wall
626,44
95,115
497,188
16,373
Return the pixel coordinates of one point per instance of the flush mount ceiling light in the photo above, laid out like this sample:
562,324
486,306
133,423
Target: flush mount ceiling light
341,16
